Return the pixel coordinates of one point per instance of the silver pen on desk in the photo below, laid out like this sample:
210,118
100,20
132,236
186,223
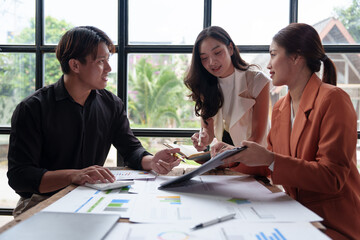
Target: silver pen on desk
214,221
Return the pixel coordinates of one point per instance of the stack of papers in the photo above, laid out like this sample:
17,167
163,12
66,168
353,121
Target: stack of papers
170,213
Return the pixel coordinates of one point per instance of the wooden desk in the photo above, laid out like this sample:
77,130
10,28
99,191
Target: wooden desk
175,172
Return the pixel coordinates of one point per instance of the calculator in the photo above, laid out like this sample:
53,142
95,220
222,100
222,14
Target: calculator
109,185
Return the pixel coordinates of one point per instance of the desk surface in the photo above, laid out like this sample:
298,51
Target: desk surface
175,172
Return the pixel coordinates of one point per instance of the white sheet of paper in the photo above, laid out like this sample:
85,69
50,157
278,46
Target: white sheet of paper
174,208
87,200
229,230
206,197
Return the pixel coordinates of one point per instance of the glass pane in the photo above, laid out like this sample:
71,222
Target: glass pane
8,197
251,22
17,20
113,75
60,16
164,21
262,60
5,219
17,81
337,22
111,160
53,71
157,96
348,76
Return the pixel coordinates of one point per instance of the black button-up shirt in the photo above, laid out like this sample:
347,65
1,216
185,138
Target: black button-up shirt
50,131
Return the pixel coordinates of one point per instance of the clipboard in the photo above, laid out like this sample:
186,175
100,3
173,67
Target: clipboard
211,164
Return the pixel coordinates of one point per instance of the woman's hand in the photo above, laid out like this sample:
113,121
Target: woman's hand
219,148
254,155
195,138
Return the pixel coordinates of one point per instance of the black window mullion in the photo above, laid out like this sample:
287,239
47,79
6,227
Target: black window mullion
158,48
17,49
39,42
207,13
122,54
145,132
123,49
293,17
342,48
122,58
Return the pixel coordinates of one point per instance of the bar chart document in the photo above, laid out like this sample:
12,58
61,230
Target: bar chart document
232,230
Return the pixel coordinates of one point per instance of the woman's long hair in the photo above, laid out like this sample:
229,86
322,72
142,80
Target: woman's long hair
302,39
203,85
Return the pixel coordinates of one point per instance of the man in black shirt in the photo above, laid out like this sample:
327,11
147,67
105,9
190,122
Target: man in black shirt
62,133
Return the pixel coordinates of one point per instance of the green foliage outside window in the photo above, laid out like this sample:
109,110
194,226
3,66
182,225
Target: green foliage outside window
17,70
350,17
157,94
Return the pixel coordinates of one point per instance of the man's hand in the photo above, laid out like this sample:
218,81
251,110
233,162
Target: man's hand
165,160
55,180
92,174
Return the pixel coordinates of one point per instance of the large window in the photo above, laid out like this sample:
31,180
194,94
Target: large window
251,23
154,41
164,22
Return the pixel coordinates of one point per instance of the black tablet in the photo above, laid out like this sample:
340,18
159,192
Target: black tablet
211,164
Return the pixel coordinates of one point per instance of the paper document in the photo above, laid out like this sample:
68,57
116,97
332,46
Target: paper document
87,200
231,230
249,199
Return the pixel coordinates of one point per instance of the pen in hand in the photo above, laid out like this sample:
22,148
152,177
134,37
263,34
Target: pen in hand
214,221
177,155
200,133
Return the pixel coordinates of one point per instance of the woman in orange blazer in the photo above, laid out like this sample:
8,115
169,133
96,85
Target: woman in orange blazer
312,141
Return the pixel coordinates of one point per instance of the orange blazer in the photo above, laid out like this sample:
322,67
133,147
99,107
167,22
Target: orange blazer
315,159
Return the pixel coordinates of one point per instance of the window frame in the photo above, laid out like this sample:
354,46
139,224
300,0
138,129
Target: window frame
124,49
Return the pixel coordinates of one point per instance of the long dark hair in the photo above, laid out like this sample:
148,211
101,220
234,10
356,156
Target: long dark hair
203,85
302,39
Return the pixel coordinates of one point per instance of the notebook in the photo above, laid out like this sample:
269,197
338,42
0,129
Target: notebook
189,152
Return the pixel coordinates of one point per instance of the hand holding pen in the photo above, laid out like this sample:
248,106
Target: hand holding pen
200,140
200,135
178,156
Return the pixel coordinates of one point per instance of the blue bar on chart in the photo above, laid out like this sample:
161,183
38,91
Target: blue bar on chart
117,205
277,235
